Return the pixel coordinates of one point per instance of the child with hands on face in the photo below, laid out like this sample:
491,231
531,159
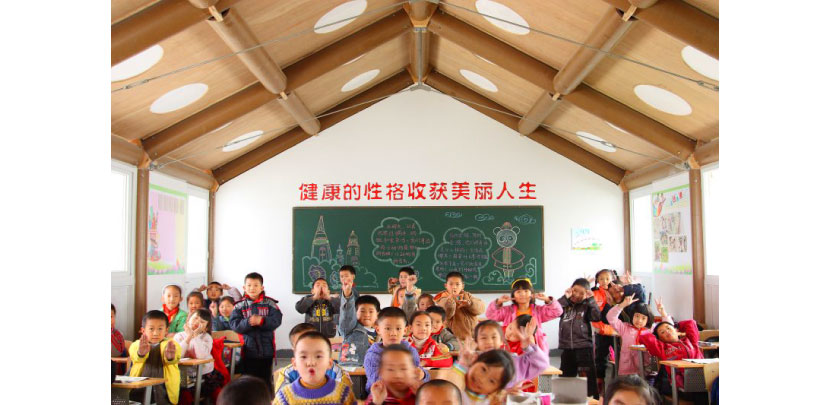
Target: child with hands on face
481,377
196,343
406,277
420,325
630,332
222,314
666,343
462,308
399,378
523,302
528,364
391,330
575,334
312,359
319,308
155,356
214,293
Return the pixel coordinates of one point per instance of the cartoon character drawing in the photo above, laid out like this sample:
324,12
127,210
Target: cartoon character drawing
507,258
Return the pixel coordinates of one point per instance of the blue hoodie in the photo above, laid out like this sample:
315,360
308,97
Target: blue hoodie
356,338
372,363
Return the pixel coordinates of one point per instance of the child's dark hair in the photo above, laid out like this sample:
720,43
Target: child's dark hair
395,348
300,328
154,314
657,328
521,284
367,299
488,324
391,312
427,296
438,384
435,309
255,276
227,298
172,286
196,295
245,390
611,272
215,283
633,383
582,283
523,320
499,358
407,270
640,308
314,335
454,274
348,268
205,315
318,279
113,307
417,314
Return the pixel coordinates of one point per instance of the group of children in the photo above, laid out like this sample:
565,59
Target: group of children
395,345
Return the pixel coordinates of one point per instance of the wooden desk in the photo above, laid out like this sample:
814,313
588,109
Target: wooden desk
234,346
357,371
198,363
643,351
120,360
675,364
552,371
126,387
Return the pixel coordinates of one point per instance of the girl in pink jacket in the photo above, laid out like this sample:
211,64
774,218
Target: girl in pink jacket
523,297
631,332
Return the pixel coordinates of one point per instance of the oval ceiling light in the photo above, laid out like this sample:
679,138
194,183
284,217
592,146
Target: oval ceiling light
137,64
242,141
617,128
479,80
503,12
359,80
346,10
700,62
662,99
178,98
596,141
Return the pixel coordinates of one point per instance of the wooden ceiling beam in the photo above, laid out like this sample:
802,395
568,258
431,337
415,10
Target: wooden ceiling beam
154,24
420,11
542,75
256,95
680,20
541,109
648,174
548,139
125,151
707,153
293,137
128,152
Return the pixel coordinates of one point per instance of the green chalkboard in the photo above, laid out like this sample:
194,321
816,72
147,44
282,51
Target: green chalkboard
490,245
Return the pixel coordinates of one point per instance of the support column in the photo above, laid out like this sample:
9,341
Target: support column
698,269
141,206
626,229
211,223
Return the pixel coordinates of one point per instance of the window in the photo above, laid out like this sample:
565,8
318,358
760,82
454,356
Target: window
197,230
641,240
121,216
711,220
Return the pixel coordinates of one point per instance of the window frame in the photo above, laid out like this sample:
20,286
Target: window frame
632,195
704,190
198,192
131,172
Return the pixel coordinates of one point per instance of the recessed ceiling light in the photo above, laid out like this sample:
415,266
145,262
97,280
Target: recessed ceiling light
178,98
479,80
137,64
353,60
700,62
617,128
241,141
662,99
346,10
596,141
484,59
222,127
359,80
503,12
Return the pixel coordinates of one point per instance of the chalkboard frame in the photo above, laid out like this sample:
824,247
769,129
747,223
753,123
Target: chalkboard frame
396,207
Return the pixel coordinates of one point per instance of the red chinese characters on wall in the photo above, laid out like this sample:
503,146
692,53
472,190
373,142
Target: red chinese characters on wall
418,191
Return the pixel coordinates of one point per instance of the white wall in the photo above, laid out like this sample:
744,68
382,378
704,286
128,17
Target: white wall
419,136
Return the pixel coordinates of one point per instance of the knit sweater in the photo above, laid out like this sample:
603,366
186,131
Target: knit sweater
461,320
409,399
331,393
372,363
528,365
287,375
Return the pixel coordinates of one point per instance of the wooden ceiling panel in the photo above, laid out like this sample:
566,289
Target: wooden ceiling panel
324,92
571,119
573,19
710,7
513,92
131,116
122,9
270,19
617,79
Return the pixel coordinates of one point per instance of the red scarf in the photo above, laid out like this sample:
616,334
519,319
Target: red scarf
640,332
258,300
117,340
170,313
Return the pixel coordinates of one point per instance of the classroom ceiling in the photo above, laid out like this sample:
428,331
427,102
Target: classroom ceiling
209,89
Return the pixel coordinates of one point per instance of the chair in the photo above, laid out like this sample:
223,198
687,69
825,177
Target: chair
710,372
227,334
709,335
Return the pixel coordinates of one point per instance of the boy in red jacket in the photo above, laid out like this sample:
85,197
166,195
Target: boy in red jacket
431,355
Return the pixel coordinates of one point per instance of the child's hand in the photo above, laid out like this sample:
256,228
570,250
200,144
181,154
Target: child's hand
226,287
378,392
254,320
525,337
542,297
201,288
589,278
467,355
214,309
504,298
660,308
347,289
410,286
569,292
143,346
170,350
444,348
628,301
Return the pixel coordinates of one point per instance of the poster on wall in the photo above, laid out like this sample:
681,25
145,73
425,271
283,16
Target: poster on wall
671,231
585,240
166,231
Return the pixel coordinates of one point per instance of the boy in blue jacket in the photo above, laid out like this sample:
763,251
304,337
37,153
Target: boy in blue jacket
357,324
256,316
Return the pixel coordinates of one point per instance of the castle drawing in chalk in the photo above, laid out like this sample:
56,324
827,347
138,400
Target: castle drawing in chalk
321,247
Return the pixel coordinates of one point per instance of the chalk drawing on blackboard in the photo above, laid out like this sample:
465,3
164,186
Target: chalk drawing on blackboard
353,250
321,262
496,277
507,258
453,214
399,241
320,247
463,250
525,219
484,217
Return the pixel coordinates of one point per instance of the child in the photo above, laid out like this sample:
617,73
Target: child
440,334
406,276
425,301
196,343
195,301
245,390
409,298
666,344
482,377
312,357
214,293
523,300
155,356
222,314
117,347
438,392
318,308
347,275
630,390
357,323
171,297
287,375
575,338
391,329
256,316
532,362
398,379
630,332
420,325
604,338
462,308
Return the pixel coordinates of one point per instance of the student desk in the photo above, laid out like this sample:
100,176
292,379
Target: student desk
124,388
198,363
675,364
643,351
120,360
235,346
